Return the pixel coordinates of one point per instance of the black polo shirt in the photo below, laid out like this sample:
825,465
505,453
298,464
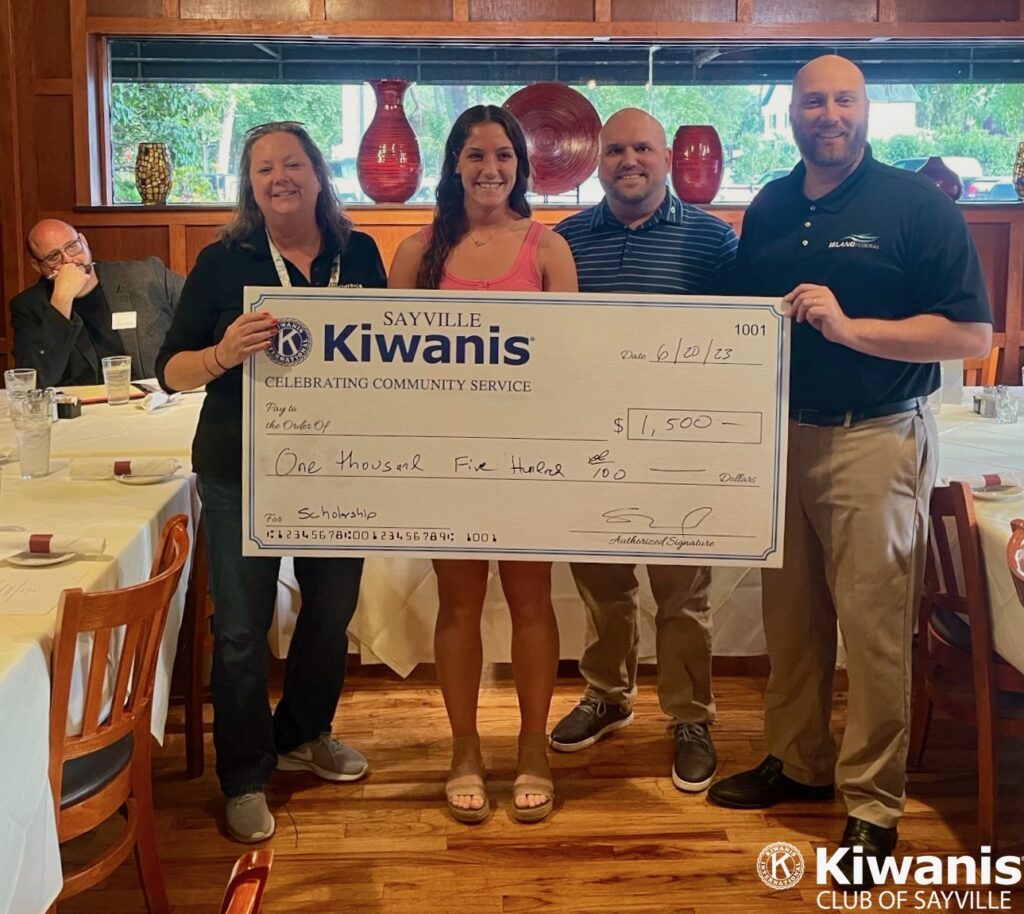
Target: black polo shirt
212,299
890,245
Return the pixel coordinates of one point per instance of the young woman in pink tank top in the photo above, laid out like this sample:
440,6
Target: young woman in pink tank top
482,238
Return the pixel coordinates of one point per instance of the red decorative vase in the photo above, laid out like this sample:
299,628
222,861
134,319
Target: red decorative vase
389,165
696,163
947,180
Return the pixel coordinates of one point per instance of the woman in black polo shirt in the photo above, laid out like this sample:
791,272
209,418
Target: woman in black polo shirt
288,230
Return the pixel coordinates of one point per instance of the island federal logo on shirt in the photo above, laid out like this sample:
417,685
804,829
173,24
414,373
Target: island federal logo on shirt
292,342
863,242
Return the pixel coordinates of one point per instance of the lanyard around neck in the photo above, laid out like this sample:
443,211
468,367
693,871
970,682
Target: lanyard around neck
282,270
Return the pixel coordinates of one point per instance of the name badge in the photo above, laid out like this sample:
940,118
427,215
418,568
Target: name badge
124,320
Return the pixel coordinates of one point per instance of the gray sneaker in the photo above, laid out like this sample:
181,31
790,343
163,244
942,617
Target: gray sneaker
327,758
585,724
249,820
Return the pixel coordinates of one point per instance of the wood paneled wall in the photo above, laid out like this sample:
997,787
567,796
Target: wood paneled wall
744,19
177,234
53,130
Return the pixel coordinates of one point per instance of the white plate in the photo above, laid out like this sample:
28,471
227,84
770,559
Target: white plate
144,480
28,559
998,493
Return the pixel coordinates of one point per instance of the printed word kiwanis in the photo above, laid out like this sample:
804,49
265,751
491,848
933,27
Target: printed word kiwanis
358,343
924,869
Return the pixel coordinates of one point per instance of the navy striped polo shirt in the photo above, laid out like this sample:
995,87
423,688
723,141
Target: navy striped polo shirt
680,250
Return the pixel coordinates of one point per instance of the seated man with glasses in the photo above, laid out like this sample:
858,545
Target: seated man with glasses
81,311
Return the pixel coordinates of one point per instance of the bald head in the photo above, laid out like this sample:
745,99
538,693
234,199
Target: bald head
634,163
632,123
829,114
53,243
829,68
47,234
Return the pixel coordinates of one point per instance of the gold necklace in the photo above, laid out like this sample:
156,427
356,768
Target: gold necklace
480,244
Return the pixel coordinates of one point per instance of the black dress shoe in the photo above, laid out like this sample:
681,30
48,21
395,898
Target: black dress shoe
764,786
874,842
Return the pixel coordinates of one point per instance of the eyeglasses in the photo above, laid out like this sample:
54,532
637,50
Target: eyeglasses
71,249
271,126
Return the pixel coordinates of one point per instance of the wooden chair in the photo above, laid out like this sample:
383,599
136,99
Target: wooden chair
248,880
107,766
195,646
956,668
981,372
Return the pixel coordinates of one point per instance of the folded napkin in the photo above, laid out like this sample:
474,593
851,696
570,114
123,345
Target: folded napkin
45,543
109,467
158,399
6,452
990,480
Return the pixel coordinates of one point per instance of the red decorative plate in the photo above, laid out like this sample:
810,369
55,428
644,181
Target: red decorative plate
562,133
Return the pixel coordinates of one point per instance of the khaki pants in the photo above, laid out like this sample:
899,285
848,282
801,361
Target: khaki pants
856,540
683,636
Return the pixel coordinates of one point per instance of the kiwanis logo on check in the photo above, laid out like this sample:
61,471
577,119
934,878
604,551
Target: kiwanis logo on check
291,344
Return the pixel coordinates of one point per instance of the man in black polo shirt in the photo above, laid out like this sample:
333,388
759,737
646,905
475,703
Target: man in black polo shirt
641,238
882,281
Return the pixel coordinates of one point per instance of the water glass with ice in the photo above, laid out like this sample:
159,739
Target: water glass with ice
117,375
32,424
18,381
1007,405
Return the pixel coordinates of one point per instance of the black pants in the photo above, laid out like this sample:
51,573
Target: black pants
245,734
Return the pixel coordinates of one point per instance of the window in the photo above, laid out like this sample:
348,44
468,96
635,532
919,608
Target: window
200,95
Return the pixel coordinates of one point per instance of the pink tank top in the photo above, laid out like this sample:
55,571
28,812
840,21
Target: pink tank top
523,277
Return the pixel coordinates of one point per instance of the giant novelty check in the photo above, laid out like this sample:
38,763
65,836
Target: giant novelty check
584,427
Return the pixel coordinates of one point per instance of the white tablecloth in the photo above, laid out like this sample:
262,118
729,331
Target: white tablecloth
130,518
970,445
30,874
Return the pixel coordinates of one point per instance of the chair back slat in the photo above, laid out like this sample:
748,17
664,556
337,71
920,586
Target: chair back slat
955,576
982,372
943,583
952,506
127,672
96,681
139,612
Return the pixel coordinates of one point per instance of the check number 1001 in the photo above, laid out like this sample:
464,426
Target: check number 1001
751,329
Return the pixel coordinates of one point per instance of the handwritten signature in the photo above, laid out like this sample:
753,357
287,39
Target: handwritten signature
690,522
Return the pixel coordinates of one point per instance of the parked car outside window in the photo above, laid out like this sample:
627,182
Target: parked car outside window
965,166
1000,191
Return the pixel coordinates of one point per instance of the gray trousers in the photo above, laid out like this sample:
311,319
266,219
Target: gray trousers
683,636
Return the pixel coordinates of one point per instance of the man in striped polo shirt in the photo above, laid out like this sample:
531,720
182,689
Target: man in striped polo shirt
641,238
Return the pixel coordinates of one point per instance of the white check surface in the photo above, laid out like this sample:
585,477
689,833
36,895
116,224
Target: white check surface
582,427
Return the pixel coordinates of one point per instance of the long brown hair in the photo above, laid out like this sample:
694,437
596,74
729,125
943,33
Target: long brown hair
450,223
248,219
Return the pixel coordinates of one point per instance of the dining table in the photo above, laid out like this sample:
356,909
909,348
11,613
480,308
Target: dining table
971,446
128,518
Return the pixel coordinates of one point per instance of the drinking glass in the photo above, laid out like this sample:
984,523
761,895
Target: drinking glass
18,381
1007,405
117,375
32,424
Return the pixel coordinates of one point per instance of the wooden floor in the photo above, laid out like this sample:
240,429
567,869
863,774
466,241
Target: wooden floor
621,839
